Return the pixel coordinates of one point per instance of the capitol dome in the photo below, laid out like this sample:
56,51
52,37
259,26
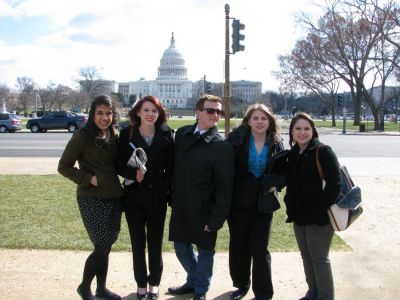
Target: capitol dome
172,64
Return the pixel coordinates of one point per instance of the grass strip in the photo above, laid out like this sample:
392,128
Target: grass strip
41,212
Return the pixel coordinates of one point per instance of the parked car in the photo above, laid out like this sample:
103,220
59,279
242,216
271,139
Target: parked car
9,122
56,120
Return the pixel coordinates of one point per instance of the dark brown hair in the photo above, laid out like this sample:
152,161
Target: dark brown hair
162,113
203,98
304,116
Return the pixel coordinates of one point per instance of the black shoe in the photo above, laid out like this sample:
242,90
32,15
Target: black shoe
86,294
199,297
181,290
239,294
141,296
107,294
154,296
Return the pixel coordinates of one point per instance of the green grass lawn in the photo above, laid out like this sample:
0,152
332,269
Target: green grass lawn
40,212
369,126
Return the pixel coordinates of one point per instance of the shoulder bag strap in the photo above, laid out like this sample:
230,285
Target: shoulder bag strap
321,173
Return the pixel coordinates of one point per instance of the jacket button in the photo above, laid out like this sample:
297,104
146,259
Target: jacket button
150,186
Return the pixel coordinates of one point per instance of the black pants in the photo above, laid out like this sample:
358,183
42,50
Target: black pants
249,238
146,224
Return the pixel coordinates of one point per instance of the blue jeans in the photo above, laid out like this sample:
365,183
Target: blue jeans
198,268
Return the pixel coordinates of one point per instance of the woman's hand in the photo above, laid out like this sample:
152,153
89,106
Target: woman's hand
272,189
93,180
139,176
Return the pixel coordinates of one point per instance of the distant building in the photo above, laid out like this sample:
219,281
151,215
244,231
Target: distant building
171,86
249,91
390,93
174,89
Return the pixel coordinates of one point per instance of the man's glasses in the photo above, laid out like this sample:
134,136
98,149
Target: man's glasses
212,111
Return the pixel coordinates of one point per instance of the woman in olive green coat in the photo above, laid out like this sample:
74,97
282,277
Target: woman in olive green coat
94,147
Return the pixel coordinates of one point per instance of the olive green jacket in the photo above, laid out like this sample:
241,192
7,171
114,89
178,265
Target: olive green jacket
94,157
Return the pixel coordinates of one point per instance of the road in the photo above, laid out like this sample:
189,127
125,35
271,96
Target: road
51,144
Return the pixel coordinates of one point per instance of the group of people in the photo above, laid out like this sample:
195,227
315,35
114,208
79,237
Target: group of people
206,180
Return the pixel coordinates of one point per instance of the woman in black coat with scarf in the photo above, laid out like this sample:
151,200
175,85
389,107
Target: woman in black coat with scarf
255,143
307,202
145,200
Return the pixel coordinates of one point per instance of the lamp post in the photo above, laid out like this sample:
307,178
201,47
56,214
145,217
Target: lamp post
36,100
227,88
36,91
344,102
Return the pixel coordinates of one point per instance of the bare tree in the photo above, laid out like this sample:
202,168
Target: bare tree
77,99
344,41
25,86
61,95
385,57
301,70
91,83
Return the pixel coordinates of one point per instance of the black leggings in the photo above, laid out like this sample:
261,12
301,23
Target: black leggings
96,265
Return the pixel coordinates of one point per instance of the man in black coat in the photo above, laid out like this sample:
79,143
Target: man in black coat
201,195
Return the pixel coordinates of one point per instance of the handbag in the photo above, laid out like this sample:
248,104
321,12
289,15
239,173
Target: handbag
348,205
268,201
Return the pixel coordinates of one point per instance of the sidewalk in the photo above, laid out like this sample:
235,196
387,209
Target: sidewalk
370,271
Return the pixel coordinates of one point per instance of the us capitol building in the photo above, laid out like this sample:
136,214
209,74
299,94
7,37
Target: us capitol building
174,89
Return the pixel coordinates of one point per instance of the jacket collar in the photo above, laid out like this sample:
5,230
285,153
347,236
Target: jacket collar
158,136
312,145
207,137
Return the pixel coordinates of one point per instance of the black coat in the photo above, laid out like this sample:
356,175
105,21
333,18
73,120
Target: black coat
202,186
154,190
246,185
306,201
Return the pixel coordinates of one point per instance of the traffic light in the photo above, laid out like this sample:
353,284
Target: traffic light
237,36
207,87
340,100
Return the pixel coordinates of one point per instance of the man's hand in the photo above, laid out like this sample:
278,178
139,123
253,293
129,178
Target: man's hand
139,176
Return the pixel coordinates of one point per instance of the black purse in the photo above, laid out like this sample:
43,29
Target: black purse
268,201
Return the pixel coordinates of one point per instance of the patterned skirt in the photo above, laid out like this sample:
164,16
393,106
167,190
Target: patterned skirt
101,217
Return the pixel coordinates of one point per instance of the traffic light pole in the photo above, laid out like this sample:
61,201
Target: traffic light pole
344,114
227,88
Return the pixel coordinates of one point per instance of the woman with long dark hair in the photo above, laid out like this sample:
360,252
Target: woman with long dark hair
94,147
255,143
145,199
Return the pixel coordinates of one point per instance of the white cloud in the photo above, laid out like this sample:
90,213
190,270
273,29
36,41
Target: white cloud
125,39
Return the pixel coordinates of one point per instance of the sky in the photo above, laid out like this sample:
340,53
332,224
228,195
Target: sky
50,40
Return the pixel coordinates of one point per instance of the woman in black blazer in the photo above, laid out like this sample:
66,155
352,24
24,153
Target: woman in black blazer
145,200
255,142
307,202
